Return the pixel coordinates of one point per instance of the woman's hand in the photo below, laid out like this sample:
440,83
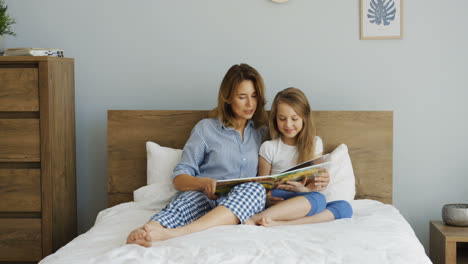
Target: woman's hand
185,183
294,186
272,200
319,182
208,187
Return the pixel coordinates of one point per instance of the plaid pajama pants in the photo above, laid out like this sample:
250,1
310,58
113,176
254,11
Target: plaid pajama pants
244,200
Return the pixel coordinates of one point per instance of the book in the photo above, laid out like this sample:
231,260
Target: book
33,52
308,170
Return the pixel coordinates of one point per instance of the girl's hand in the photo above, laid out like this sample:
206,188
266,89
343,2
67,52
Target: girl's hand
272,200
209,187
320,182
294,186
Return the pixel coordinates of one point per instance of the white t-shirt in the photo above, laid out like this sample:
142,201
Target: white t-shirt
282,156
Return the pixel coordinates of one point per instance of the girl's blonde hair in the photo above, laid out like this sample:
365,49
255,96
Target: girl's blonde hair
234,76
298,101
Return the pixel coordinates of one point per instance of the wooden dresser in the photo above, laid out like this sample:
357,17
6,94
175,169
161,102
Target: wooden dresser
37,157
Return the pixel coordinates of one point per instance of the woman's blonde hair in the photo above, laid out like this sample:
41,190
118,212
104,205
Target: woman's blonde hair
298,101
234,76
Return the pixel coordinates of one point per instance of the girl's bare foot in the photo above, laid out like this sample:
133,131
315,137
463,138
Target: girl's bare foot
267,222
156,232
137,236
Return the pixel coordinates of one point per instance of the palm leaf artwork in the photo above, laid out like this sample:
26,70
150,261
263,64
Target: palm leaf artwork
381,12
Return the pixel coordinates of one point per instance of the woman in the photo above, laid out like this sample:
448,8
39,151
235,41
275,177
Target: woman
224,146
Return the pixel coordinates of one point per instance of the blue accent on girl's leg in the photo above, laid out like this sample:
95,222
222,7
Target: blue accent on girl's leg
340,209
316,199
283,194
317,202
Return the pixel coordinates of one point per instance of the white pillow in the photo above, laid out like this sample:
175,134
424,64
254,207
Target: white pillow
342,182
155,196
160,164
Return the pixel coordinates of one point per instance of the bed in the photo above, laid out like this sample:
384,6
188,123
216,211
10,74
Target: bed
377,232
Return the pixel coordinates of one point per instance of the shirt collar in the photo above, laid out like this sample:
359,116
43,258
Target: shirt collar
250,123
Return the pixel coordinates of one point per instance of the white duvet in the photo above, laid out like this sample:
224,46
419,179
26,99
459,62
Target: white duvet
377,233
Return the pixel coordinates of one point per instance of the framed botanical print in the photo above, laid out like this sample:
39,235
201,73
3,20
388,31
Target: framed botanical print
381,19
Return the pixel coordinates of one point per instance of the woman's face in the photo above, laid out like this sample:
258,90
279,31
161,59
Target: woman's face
244,101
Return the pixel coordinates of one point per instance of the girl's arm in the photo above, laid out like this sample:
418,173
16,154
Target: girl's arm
264,167
318,183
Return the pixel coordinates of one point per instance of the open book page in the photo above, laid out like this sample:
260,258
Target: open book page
319,160
307,170
224,186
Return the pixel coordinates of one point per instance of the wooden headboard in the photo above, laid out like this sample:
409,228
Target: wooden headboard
368,134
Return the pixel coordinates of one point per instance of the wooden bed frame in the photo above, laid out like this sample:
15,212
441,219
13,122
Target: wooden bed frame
368,134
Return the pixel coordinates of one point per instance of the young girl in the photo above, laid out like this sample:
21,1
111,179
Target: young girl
294,141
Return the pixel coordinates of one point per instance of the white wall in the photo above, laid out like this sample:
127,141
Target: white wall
151,54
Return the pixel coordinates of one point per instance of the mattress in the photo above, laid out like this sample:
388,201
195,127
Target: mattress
377,233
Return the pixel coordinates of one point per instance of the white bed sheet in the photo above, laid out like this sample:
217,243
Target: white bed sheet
377,233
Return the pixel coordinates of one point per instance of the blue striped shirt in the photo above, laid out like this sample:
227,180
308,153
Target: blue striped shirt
216,151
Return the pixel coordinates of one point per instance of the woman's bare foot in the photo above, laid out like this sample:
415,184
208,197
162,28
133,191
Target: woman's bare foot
249,221
156,232
253,220
137,236
267,222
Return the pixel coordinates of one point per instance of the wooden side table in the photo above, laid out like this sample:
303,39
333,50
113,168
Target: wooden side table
443,244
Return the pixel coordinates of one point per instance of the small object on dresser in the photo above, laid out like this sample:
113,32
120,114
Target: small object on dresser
34,52
455,214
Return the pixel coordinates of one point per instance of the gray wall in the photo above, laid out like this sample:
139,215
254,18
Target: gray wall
152,54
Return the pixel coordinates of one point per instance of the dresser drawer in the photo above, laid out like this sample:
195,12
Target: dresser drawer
19,140
20,239
19,89
20,190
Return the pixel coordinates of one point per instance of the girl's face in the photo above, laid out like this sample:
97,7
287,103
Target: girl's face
289,123
244,101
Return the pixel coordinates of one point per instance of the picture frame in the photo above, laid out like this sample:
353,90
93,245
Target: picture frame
381,19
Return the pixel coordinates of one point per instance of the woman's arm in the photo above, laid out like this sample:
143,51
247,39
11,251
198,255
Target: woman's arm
185,182
183,176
